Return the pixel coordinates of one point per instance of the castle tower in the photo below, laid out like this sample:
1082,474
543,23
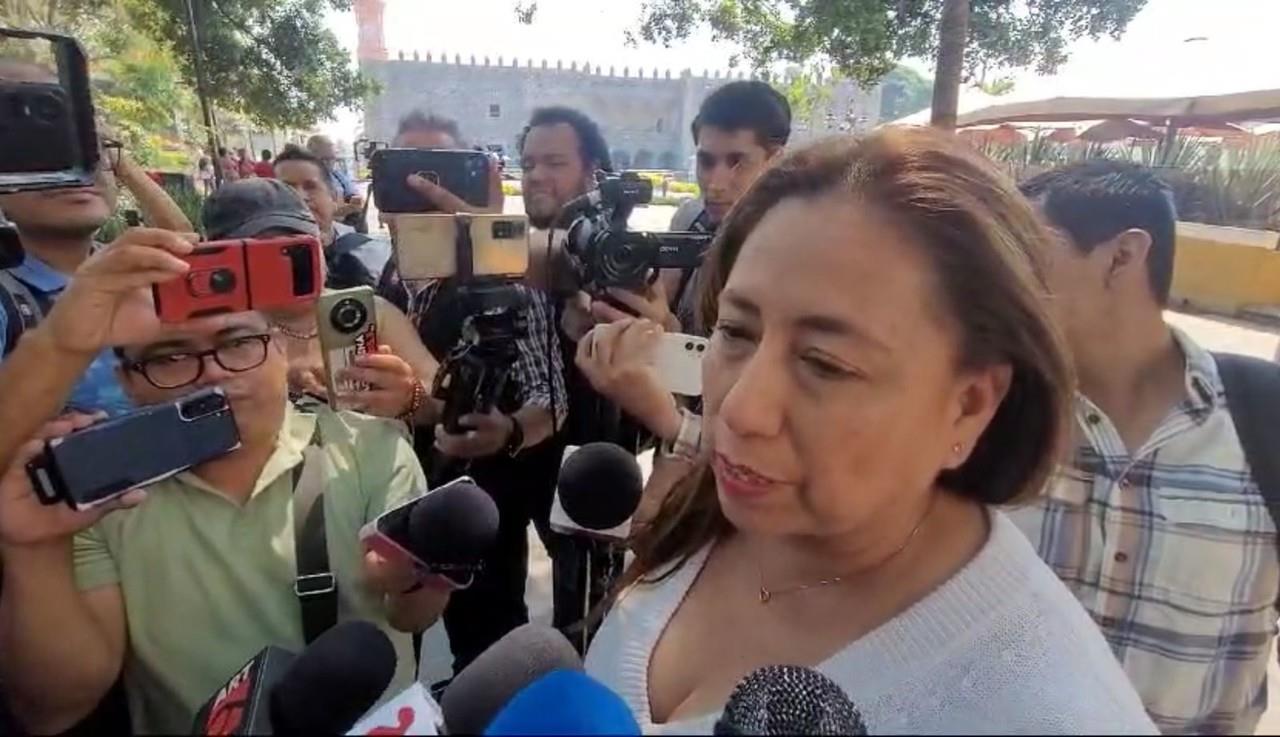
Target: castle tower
372,44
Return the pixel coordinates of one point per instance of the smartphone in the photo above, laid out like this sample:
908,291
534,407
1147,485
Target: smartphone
46,113
242,275
679,363
464,173
388,535
348,328
428,246
103,461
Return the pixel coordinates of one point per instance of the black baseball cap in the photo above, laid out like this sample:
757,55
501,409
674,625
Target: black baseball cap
247,207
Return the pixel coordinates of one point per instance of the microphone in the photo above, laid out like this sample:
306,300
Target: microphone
453,527
335,680
597,492
789,699
522,656
447,531
565,702
325,689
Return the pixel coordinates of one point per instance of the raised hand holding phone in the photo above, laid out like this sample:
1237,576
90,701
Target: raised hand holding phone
24,519
109,302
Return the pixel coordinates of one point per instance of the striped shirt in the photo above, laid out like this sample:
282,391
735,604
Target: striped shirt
1173,552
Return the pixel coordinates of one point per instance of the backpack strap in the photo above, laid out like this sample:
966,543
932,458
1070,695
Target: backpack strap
1253,397
20,306
315,585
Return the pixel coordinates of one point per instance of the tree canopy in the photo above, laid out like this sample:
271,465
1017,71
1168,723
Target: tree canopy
865,39
272,61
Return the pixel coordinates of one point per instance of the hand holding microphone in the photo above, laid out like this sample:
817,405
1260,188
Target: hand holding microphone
446,532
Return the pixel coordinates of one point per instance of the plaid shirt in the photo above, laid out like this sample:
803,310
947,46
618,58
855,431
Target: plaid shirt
538,372
1173,552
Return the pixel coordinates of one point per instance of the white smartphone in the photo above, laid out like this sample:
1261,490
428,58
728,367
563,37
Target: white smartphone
679,363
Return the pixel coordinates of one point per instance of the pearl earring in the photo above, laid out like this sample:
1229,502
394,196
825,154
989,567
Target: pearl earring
956,448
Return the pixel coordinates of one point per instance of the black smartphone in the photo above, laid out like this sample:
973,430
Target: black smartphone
46,113
464,173
103,461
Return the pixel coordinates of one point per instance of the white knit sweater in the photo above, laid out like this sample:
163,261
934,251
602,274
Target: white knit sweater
1002,647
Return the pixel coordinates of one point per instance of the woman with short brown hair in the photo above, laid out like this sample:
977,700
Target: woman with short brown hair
882,374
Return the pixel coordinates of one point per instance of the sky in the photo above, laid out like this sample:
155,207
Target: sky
1238,50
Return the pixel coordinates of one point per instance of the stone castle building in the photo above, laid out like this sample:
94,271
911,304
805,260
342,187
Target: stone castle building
645,114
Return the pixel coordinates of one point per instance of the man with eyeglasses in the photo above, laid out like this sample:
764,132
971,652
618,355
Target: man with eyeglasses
189,579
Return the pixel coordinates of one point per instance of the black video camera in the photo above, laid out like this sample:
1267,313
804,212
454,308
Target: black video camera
46,121
474,374
603,253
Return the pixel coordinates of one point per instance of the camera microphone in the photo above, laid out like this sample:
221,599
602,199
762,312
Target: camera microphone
789,699
492,680
323,690
598,490
575,208
565,702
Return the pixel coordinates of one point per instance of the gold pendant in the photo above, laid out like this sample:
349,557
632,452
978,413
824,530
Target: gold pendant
765,596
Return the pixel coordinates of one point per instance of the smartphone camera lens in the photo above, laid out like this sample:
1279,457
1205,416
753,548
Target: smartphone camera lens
502,229
203,406
212,281
222,281
348,316
46,108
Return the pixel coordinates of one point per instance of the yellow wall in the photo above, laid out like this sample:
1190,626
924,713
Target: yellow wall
1226,269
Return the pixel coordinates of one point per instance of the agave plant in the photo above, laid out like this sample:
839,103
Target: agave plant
1212,181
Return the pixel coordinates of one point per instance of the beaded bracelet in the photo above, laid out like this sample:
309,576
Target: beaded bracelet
415,403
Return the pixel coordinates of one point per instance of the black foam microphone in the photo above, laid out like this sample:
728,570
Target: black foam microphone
789,699
600,486
484,687
334,681
453,528
325,689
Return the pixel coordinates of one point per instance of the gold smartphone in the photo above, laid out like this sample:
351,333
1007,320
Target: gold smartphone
427,245
348,328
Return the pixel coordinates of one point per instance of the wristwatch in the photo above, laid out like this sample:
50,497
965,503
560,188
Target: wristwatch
688,439
515,441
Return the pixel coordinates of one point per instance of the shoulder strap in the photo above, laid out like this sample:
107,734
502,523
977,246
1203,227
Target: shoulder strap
1253,396
315,585
21,307
349,242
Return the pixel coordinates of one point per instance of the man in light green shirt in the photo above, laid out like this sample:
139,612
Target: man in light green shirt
196,575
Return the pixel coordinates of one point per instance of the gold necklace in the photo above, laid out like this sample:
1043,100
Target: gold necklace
767,594
296,335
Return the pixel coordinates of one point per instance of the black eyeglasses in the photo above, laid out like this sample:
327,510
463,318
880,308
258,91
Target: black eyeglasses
180,369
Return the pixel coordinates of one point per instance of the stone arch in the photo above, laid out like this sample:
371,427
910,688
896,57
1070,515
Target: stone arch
667,160
644,159
621,159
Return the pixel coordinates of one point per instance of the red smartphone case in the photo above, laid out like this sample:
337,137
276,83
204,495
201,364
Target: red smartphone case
241,275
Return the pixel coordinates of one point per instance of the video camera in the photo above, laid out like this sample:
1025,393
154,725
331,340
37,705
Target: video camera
474,374
603,253
46,121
